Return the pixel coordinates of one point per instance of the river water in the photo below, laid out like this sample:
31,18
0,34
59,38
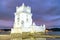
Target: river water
50,33
53,33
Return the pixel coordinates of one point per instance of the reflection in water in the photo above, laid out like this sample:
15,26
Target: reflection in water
29,39
42,39
35,39
16,39
49,33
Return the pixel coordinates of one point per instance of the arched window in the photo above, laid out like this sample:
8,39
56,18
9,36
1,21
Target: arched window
17,19
27,18
22,22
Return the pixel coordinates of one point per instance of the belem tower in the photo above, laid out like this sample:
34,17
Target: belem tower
23,21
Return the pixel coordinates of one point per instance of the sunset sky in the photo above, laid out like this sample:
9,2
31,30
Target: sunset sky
44,12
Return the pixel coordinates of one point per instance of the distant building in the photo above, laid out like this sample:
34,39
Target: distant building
23,21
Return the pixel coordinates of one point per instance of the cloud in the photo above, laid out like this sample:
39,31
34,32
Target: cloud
4,23
44,11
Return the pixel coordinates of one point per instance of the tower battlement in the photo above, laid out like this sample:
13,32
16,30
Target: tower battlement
23,8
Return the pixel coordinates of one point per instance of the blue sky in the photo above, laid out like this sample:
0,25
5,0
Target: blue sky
44,12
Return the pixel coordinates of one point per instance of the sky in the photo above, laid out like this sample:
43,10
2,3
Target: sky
44,12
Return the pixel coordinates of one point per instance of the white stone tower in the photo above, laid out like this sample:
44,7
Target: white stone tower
23,16
23,21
